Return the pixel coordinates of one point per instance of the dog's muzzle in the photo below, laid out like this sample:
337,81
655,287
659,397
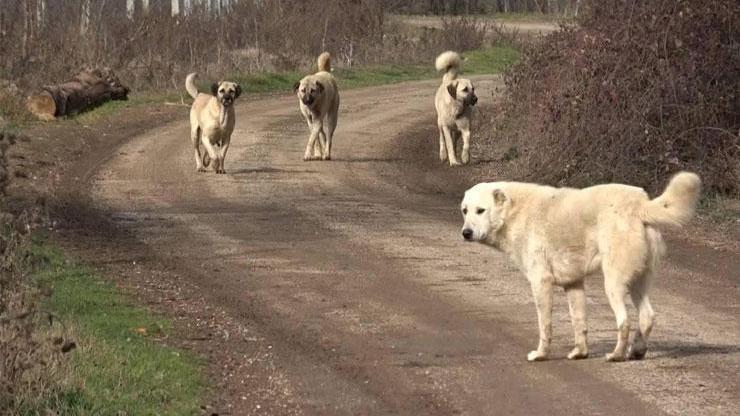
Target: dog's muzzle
227,100
467,234
473,100
307,100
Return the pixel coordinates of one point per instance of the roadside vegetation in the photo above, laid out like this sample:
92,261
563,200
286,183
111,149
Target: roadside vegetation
633,93
70,342
120,364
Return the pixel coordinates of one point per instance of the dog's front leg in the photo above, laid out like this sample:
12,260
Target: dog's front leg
318,149
315,130
541,283
465,156
222,154
211,151
450,146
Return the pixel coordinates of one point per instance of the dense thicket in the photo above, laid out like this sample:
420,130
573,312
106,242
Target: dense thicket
636,91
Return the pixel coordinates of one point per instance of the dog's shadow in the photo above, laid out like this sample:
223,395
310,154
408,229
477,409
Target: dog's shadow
662,349
267,169
368,159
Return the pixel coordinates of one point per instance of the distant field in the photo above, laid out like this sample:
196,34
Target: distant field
513,22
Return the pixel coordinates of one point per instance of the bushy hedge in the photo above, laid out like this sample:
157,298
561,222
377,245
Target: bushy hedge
634,92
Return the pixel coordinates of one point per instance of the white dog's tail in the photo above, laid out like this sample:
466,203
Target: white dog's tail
450,63
678,202
324,62
190,85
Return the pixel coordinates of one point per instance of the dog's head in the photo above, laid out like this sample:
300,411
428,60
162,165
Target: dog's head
226,92
462,90
308,90
484,208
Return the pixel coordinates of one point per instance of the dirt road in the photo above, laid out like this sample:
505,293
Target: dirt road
343,287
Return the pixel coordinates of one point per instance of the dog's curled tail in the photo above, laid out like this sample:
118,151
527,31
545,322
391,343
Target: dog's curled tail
678,202
449,62
190,85
324,62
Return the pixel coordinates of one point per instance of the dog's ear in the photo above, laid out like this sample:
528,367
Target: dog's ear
238,91
296,86
214,88
452,89
320,86
499,197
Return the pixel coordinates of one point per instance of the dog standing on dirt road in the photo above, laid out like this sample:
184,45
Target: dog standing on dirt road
454,102
557,237
212,121
318,99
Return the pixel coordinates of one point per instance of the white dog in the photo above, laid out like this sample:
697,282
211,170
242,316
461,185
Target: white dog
559,236
454,102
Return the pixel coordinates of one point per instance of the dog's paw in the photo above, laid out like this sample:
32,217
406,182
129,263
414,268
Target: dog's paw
200,169
465,158
614,357
577,354
455,163
220,171
536,356
327,157
637,353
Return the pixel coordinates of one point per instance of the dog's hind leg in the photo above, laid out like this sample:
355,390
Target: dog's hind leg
195,138
640,299
541,283
639,293
577,307
442,147
616,291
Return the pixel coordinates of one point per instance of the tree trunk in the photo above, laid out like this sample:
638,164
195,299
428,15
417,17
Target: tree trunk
88,89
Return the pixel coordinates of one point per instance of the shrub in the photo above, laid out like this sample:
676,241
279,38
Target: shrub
634,93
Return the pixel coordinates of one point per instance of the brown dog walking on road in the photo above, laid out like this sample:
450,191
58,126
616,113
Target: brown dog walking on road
318,99
212,121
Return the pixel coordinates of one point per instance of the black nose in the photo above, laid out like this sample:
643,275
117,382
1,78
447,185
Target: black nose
475,99
467,233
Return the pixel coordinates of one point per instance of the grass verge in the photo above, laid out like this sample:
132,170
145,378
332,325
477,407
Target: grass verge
491,60
119,367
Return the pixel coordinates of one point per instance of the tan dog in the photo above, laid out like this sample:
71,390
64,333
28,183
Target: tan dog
318,98
212,121
557,237
454,102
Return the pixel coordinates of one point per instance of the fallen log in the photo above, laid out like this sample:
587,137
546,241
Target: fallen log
88,89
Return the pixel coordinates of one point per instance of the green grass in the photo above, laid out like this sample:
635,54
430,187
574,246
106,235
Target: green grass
482,61
116,369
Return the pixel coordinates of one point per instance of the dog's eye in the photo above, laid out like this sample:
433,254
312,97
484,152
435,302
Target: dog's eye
480,211
465,89
465,211
221,91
